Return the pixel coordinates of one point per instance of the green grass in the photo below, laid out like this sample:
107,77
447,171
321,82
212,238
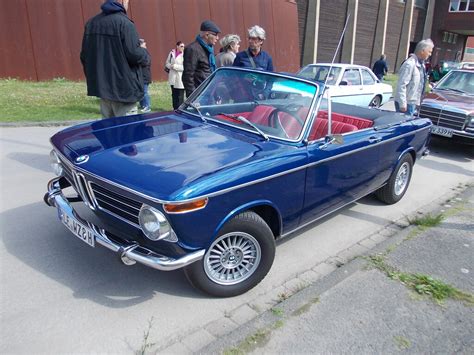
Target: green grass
60,100
391,79
427,220
422,284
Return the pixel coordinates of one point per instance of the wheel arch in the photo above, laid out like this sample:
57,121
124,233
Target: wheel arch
410,151
266,209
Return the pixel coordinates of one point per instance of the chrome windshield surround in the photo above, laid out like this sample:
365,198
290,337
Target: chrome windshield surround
220,192
302,134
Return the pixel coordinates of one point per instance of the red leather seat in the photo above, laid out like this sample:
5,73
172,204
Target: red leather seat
260,114
360,123
320,128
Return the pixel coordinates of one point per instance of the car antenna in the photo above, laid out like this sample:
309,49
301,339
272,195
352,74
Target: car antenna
326,89
337,49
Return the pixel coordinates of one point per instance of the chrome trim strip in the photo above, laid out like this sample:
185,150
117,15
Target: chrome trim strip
220,192
326,214
133,250
101,198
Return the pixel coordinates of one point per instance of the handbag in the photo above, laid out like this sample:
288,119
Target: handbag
168,61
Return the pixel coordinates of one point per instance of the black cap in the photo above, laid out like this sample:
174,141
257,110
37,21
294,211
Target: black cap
210,26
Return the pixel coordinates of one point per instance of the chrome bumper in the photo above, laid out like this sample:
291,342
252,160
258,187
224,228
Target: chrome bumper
130,252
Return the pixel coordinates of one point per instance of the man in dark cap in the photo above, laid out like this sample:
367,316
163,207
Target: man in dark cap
112,57
199,59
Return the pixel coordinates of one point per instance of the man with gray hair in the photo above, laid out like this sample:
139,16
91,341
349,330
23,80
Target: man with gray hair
254,57
412,78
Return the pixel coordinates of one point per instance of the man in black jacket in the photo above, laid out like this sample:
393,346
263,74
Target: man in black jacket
199,59
112,57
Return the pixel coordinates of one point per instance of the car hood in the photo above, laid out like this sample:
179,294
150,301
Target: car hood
449,98
166,156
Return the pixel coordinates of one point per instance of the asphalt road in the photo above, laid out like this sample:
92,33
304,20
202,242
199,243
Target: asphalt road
59,295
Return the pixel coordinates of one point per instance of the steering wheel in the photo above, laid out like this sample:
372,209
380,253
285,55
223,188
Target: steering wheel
274,119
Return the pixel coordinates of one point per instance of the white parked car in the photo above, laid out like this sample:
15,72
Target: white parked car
349,84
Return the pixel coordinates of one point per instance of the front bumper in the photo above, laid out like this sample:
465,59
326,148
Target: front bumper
130,252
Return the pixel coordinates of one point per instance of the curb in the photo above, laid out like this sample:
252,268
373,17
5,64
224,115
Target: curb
43,124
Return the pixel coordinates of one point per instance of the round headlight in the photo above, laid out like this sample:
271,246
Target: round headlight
56,163
154,224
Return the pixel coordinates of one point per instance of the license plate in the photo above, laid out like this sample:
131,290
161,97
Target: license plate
441,131
77,228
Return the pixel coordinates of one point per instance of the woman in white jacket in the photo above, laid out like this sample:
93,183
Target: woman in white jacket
174,63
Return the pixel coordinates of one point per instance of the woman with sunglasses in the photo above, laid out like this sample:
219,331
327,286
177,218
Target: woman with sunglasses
174,64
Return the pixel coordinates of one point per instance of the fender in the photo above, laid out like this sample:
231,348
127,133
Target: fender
244,208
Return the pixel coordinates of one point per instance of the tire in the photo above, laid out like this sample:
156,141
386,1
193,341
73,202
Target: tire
376,101
398,183
246,240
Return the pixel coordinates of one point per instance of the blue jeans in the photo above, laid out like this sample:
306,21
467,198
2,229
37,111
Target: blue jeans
411,109
145,102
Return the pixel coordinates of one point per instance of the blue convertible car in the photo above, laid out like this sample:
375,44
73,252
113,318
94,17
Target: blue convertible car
250,157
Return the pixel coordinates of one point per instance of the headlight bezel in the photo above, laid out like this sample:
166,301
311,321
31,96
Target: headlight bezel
154,224
56,163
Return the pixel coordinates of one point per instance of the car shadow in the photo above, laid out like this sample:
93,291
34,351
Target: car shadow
32,160
448,150
46,246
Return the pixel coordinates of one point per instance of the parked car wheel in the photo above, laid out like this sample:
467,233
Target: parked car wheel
237,260
398,183
376,101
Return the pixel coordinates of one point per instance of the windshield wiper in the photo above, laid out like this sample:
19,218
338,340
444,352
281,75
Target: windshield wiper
246,121
197,110
455,90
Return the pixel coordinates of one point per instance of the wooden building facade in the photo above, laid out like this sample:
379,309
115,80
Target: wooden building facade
41,39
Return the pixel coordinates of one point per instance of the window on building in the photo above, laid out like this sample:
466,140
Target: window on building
445,36
461,5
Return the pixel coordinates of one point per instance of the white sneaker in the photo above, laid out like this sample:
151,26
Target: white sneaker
145,109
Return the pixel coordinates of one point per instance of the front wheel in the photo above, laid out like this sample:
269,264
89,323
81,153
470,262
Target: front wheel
376,101
398,183
237,260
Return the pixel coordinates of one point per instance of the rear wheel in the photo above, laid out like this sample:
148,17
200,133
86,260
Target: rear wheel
398,183
376,101
237,260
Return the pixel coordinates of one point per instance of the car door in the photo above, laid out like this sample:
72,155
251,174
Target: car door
338,174
350,89
369,87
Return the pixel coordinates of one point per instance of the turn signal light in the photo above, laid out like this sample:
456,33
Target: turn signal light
186,206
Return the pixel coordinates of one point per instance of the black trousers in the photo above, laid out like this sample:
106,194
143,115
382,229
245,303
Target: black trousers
178,97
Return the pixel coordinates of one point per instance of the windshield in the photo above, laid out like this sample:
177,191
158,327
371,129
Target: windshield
268,105
319,73
459,81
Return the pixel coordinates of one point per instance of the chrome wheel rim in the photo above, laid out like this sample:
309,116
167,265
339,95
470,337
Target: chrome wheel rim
375,102
401,181
232,258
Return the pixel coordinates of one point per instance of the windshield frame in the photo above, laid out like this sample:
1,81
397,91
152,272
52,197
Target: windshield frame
210,118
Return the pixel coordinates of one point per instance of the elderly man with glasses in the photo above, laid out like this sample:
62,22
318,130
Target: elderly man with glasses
199,59
254,56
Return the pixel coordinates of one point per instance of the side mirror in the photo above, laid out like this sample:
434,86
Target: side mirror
343,83
332,139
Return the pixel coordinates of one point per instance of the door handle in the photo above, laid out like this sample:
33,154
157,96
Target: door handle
375,139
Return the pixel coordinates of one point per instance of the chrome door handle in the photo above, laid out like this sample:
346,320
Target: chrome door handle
375,139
